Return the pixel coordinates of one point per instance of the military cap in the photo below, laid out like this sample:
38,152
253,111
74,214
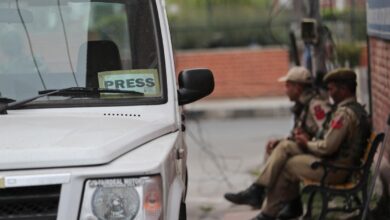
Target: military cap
340,75
297,74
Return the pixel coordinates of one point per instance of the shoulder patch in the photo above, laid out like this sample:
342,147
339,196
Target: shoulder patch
319,112
337,123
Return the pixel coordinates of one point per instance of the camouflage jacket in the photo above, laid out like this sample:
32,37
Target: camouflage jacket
347,134
310,113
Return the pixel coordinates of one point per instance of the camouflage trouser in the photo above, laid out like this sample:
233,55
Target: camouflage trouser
276,162
285,168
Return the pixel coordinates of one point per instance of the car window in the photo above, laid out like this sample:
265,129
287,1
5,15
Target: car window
52,44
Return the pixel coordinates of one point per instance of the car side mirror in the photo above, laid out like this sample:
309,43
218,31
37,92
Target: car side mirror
195,84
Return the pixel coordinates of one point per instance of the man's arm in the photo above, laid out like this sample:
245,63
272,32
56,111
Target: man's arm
338,130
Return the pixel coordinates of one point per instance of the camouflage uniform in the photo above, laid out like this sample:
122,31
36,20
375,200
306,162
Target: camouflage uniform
313,114
310,114
289,164
311,108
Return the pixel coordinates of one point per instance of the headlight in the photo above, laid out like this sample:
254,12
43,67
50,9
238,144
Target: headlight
122,199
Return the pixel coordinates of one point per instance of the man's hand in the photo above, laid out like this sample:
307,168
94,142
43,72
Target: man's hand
301,139
271,145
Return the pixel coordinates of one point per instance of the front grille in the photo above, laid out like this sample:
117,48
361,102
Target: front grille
30,203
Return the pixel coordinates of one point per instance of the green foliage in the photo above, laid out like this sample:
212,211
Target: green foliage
354,23
235,23
226,23
200,3
345,15
348,53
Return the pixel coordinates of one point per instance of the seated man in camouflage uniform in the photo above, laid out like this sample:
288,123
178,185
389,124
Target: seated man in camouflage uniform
309,111
347,132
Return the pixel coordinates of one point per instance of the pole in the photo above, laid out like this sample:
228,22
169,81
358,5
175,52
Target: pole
298,8
317,54
294,48
353,7
376,171
314,12
313,55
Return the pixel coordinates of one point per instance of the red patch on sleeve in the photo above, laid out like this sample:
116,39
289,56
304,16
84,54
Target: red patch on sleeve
319,112
337,123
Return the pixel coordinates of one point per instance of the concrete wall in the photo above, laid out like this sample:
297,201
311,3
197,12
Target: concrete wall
240,73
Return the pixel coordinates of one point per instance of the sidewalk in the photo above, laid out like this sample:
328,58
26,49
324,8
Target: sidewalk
239,108
232,108
242,215
218,209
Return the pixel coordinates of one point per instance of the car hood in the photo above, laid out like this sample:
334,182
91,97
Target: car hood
61,141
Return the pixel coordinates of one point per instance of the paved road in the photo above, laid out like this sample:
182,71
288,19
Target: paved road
224,155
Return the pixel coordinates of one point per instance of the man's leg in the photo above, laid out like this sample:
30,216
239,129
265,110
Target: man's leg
287,185
276,162
269,148
286,188
254,195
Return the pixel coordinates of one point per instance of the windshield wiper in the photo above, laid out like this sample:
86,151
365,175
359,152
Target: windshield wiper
5,100
71,91
85,92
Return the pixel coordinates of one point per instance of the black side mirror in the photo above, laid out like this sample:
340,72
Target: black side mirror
195,84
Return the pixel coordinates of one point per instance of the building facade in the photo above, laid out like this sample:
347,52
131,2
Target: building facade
378,29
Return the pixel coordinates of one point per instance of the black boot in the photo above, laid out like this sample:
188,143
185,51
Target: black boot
252,196
262,216
291,210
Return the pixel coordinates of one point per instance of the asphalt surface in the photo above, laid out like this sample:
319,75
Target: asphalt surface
224,155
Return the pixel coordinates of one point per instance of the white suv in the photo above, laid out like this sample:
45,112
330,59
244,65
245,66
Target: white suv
91,124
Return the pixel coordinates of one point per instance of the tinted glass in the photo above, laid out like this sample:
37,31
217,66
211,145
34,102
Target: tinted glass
53,44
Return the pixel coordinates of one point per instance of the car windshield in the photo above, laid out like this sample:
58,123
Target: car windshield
54,44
